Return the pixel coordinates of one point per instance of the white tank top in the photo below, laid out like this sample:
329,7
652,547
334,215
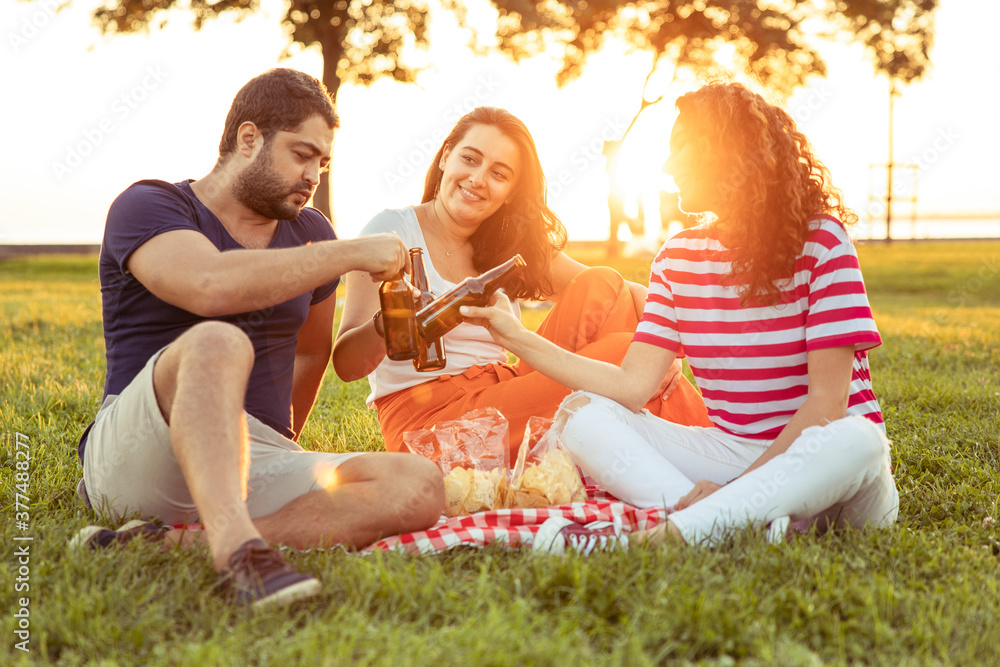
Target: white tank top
465,346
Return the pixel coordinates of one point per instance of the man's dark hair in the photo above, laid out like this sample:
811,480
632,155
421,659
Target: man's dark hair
278,100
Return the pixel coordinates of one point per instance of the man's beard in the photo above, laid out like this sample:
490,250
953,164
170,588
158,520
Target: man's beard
259,188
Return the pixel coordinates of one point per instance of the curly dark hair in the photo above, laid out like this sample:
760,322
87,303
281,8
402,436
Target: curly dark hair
280,99
770,184
527,225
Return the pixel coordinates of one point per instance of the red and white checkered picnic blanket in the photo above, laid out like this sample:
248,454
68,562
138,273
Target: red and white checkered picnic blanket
517,527
514,527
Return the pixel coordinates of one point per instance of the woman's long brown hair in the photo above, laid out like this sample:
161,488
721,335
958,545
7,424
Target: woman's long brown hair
769,184
526,225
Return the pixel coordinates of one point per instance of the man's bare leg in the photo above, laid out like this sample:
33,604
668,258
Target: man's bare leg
200,382
374,496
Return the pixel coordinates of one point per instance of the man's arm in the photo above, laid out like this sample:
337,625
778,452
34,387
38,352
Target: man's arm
184,268
359,349
312,356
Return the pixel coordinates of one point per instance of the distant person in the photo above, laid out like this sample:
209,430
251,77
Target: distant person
637,223
219,298
611,150
767,301
484,201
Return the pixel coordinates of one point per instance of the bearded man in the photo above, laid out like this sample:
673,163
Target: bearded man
218,304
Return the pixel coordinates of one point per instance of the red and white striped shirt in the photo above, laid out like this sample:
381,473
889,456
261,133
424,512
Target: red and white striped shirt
750,363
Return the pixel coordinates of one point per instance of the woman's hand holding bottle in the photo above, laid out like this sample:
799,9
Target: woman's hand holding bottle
498,318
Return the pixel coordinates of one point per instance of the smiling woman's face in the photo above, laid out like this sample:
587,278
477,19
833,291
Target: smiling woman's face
480,172
692,166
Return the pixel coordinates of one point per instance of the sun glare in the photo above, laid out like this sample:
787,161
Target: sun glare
327,478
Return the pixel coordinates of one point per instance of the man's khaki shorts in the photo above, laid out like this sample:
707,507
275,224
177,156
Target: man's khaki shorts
129,464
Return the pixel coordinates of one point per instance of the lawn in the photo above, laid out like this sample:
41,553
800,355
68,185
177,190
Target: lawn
925,592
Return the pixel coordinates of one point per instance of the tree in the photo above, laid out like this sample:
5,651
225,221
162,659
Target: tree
361,40
773,40
898,42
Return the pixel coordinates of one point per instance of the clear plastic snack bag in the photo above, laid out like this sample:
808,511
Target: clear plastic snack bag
472,453
544,474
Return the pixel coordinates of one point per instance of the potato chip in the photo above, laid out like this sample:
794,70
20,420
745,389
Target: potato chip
468,491
483,493
503,494
554,480
529,499
562,466
457,485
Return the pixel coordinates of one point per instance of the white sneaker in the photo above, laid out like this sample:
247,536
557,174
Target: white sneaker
99,537
558,534
777,531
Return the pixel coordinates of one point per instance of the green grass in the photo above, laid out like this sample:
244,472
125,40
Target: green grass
925,592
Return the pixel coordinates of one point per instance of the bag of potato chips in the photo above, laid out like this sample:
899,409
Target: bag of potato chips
472,453
544,474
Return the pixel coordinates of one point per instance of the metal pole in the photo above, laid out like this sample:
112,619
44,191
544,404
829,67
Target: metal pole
888,192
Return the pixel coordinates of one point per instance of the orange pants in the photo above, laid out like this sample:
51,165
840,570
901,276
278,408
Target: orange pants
595,318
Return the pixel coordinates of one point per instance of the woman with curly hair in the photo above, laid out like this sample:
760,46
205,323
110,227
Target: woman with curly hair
766,300
484,201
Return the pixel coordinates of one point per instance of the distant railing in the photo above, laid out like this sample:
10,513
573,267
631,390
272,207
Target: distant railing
19,250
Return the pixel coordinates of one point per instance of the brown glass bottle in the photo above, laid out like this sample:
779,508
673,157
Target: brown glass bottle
398,322
430,356
441,315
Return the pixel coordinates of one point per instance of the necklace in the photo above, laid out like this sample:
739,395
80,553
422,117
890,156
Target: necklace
437,229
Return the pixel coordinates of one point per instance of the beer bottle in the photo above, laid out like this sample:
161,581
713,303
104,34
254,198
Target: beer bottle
441,315
430,356
398,322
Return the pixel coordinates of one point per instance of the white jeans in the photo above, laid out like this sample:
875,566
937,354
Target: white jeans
837,474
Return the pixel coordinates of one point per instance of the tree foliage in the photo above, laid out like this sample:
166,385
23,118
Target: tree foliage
773,40
361,40
898,34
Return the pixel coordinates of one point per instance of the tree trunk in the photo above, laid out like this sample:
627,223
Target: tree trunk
611,154
323,199
330,32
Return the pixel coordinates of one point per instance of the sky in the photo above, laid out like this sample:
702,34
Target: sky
86,115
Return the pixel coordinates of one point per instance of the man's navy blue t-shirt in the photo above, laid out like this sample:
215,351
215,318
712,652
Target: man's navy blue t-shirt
137,323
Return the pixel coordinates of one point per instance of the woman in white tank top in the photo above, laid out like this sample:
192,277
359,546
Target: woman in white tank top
484,201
